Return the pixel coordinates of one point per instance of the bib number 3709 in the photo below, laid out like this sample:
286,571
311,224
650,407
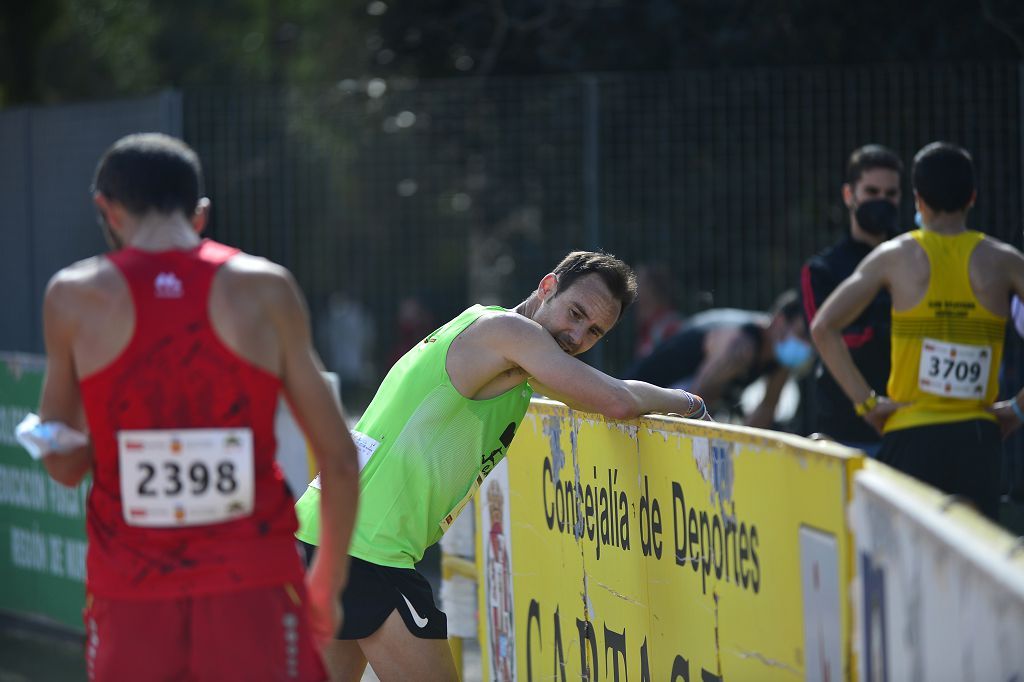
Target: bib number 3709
954,370
185,477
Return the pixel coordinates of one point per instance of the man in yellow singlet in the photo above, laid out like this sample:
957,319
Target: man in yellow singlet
951,289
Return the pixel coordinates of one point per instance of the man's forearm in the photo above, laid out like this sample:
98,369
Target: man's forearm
837,359
762,416
69,468
1017,405
650,398
339,499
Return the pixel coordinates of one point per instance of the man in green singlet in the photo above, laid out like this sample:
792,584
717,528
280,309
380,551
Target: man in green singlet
444,416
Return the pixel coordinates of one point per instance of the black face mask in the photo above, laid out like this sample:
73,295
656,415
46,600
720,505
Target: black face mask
878,217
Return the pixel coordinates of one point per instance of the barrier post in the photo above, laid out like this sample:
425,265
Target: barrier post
458,583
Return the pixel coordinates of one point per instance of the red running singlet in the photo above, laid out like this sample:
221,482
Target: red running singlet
174,374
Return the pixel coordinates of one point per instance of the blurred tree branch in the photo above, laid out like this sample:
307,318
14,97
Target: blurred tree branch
60,50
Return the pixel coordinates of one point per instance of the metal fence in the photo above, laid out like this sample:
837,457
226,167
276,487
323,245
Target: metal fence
469,190
47,157
465,190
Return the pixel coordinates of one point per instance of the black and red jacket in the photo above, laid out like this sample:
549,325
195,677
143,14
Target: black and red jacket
867,338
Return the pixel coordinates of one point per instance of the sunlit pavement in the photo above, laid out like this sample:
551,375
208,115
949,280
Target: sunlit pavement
29,653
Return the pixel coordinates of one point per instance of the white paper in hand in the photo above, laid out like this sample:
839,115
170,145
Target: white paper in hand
45,438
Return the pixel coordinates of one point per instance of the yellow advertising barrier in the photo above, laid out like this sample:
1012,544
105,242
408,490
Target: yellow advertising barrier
664,549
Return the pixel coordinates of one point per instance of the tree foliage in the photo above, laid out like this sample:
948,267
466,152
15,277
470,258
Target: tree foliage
58,50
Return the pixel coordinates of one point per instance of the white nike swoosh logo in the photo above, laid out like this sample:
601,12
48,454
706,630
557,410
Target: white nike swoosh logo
420,621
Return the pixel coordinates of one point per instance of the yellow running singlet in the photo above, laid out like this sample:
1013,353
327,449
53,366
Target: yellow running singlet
946,350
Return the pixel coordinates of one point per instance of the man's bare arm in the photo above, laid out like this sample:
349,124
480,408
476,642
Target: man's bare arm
764,414
565,378
715,373
1015,271
1004,410
61,400
323,423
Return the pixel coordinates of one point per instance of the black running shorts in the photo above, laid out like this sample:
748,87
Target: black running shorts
374,591
961,458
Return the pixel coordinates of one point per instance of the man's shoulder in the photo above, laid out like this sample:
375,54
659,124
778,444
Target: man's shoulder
897,258
84,278
998,246
502,321
829,252
840,257
830,265
900,247
81,289
250,285
500,331
256,276
85,270
256,267
996,255
834,251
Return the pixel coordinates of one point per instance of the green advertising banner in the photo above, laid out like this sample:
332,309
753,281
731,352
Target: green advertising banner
42,523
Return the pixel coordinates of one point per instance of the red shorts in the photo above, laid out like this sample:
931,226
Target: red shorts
256,634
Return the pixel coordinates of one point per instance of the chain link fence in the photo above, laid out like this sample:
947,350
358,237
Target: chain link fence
396,204
466,190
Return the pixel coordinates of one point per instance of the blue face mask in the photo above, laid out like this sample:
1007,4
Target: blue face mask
918,220
792,353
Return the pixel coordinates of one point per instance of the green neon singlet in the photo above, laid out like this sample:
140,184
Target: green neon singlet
424,449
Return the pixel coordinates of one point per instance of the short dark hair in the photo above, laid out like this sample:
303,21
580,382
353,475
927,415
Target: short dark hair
943,176
619,277
150,172
788,305
870,157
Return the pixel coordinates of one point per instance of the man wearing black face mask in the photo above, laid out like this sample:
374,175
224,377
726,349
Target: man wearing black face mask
872,195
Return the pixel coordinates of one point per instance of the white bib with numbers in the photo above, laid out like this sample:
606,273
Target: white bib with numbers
954,370
186,477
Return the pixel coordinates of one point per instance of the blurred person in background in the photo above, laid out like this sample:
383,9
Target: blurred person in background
415,321
443,418
872,195
347,333
1017,313
951,289
657,316
170,353
720,352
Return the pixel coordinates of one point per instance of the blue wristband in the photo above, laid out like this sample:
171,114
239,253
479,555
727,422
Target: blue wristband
1015,406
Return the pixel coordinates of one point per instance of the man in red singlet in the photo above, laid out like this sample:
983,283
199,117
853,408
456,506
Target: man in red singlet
171,352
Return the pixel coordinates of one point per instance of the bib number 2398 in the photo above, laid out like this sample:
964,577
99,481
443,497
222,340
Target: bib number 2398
186,477
954,370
